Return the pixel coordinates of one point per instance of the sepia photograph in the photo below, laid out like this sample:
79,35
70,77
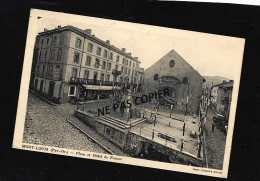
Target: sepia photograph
128,93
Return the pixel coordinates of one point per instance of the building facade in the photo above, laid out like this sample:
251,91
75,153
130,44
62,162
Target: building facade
74,63
182,80
221,96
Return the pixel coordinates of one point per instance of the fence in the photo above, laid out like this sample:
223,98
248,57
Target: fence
168,139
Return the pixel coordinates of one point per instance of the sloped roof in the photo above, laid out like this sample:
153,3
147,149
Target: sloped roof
174,55
225,85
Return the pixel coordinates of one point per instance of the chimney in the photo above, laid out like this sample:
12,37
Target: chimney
123,49
231,80
45,29
224,81
136,58
59,26
88,31
108,41
93,35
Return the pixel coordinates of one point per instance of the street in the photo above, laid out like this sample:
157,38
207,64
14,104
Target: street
215,143
46,125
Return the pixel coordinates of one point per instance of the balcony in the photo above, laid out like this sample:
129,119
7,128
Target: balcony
91,81
103,83
116,72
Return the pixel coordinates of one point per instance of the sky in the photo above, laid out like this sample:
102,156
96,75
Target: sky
210,55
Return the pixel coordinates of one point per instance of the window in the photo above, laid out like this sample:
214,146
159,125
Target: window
117,58
125,70
54,40
126,62
72,90
41,41
74,72
111,56
52,54
133,65
105,54
132,72
123,61
171,63
122,70
57,71
90,47
108,77
59,54
61,39
97,64
109,66
88,61
86,74
116,67
128,71
50,70
104,65
38,69
43,69
48,39
45,55
76,57
58,68
98,51
130,63
78,43
39,56
102,77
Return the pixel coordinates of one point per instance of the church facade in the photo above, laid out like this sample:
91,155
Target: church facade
182,80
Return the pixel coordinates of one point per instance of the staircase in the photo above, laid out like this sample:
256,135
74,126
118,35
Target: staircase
119,123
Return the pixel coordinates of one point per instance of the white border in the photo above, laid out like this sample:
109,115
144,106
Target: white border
23,96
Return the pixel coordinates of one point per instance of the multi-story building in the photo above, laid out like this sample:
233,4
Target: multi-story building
34,61
74,63
221,96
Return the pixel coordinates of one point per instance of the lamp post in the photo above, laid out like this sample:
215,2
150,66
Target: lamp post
185,81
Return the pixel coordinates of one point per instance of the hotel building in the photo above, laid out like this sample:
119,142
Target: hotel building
74,63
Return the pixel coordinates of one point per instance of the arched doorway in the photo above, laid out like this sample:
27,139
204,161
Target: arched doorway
36,84
173,85
41,86
51,89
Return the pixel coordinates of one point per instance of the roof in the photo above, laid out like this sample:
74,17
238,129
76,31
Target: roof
91,37
225,85
173,54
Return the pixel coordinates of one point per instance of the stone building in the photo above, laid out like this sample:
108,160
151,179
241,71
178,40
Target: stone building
34,61
74,63
173,72
221,95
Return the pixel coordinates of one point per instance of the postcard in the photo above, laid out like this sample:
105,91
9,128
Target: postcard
128,93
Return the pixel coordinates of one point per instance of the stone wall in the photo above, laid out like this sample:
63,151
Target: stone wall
135,144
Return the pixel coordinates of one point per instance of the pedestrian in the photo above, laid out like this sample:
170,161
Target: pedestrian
213,126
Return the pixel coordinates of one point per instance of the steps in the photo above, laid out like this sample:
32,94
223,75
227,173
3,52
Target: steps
119,123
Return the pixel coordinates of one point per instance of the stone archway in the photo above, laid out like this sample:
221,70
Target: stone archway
173,84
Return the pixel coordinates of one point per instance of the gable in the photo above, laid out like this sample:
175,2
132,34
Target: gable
172,64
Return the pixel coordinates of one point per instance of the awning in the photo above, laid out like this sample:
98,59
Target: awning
97,87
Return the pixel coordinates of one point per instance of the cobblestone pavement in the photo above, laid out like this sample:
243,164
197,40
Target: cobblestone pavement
215,143
46,125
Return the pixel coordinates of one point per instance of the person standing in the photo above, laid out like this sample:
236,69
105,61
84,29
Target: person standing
213,126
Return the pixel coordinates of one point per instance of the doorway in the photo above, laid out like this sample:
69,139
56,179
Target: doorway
41,86
51,89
